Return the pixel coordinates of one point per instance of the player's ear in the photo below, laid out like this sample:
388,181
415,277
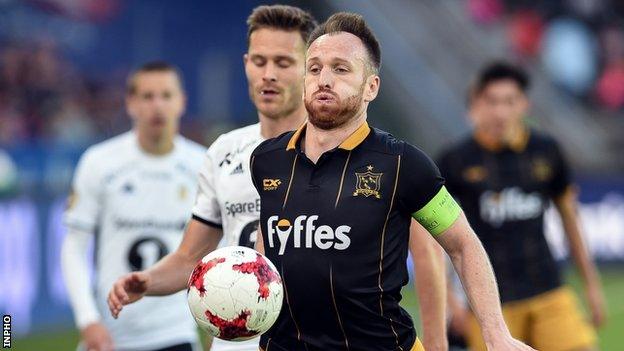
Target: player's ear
245,59
130,108
183,103
371,88
526,104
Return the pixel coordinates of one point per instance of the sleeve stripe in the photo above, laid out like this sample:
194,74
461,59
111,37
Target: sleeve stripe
439,213
207,222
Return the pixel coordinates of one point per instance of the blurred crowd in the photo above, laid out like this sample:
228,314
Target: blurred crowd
580,43
45,98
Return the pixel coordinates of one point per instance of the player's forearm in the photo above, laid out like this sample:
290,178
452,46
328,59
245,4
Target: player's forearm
477,277
475,272
567,207
432,311
429,268
75,267
171,274
580,255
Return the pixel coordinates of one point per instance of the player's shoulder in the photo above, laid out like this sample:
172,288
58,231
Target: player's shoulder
277,144
542,140
110,149
236,138
189,146
460,146
412,156
384,142
381,141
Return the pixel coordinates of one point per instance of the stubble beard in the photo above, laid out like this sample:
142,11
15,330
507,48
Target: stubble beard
332,117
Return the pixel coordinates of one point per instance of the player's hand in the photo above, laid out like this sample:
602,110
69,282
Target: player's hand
459,321
596,303
508,343
96,338
126,290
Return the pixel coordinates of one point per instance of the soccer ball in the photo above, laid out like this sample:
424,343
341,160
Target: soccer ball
235,293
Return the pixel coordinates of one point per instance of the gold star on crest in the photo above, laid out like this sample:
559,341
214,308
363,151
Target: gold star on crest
369,167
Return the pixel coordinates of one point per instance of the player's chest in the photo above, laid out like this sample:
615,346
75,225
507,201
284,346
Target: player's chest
333,206
150,192
233,184
511,173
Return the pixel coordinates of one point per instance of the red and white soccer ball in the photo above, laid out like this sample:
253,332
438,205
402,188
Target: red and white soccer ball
235,293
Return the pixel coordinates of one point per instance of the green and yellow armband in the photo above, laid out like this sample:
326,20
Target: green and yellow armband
439,213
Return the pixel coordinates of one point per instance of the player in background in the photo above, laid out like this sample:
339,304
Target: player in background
228,206
133,194
504,175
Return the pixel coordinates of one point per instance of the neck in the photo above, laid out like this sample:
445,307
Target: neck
160,145
514,136
318,141
272,127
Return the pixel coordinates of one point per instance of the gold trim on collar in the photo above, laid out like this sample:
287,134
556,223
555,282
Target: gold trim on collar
293,139
517,144
356,138
349,144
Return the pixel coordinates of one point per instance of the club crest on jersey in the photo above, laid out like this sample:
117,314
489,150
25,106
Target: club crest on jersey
182,192
475,174
368,183
270,184
71,200
541,170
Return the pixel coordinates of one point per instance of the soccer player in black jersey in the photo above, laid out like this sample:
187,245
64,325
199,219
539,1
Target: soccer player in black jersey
337,200
274,66
504,176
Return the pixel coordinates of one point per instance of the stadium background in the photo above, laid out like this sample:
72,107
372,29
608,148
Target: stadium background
62,69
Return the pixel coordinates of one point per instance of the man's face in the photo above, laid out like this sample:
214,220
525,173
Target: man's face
499,108
157,104
338,82
274,65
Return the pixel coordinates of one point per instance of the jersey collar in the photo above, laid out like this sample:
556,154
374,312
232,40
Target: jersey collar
348,144
517,144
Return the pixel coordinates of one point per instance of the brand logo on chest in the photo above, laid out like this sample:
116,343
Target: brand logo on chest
306,234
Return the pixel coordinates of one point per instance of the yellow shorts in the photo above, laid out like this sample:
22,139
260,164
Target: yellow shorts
551,321
417,346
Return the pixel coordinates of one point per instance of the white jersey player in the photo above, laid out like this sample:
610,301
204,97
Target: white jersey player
227,209
228,200
133,194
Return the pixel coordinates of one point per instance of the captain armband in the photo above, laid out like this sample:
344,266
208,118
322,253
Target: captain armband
438,214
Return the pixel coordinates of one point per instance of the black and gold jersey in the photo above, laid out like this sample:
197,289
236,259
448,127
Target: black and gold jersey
504,194
338,231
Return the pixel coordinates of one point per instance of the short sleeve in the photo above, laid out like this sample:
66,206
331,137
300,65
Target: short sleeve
206,208
253,172
450,169
84,202
423,193
253,164
420,179
562,174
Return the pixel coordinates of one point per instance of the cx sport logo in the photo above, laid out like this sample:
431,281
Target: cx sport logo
305,233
